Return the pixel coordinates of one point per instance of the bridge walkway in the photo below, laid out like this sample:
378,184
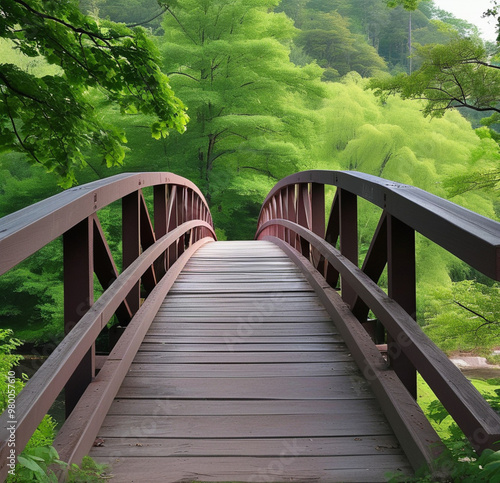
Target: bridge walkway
243,376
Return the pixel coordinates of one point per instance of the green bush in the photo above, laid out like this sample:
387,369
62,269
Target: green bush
459,462
35,463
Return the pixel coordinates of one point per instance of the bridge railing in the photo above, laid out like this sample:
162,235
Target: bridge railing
294,214
151,247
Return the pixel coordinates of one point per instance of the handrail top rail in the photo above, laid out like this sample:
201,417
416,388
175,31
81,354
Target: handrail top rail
464,233
50,218
375,188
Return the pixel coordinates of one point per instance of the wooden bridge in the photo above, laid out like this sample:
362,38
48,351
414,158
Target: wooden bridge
248,361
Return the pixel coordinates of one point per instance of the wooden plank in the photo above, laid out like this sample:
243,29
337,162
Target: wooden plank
357,424
222,305
226,311
260,325
239,267
243,357
242,370
235,346
233,276
182,329
254,270
240,339
240,318
338,387
267,296
241,287
216,407
370,469
144,447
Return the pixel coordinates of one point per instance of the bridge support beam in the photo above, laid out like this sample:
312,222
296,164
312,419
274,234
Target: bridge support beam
317,217
160,222
78,298
401,284
332,234
131,241
348,238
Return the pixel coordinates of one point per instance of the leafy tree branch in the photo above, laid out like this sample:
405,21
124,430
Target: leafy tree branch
52,119
456,75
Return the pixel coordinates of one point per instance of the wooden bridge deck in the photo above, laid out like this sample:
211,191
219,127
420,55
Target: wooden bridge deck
243,377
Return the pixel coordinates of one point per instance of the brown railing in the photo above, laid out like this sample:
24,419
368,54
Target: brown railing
293,216
150,257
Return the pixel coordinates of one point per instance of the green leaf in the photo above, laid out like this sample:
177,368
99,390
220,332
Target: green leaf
31,464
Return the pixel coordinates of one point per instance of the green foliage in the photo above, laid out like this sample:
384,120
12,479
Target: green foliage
88,472
410,5
144,12
447,20
460,462
32,297
32,461
394,141
482,171
34,465
253,111
51,117
7,362
38,464
479,179
326,37
45,432
455,75
463,316
22,184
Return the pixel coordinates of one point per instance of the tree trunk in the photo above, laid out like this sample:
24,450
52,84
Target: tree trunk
409,43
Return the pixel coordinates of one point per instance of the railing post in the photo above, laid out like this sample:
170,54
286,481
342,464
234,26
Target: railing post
160,222
348,209
196,216
290,213
147,238
302,211
181,212
332,234
190,216
78,298
172,222
401,284
280,214
274,215
317,216
131,242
